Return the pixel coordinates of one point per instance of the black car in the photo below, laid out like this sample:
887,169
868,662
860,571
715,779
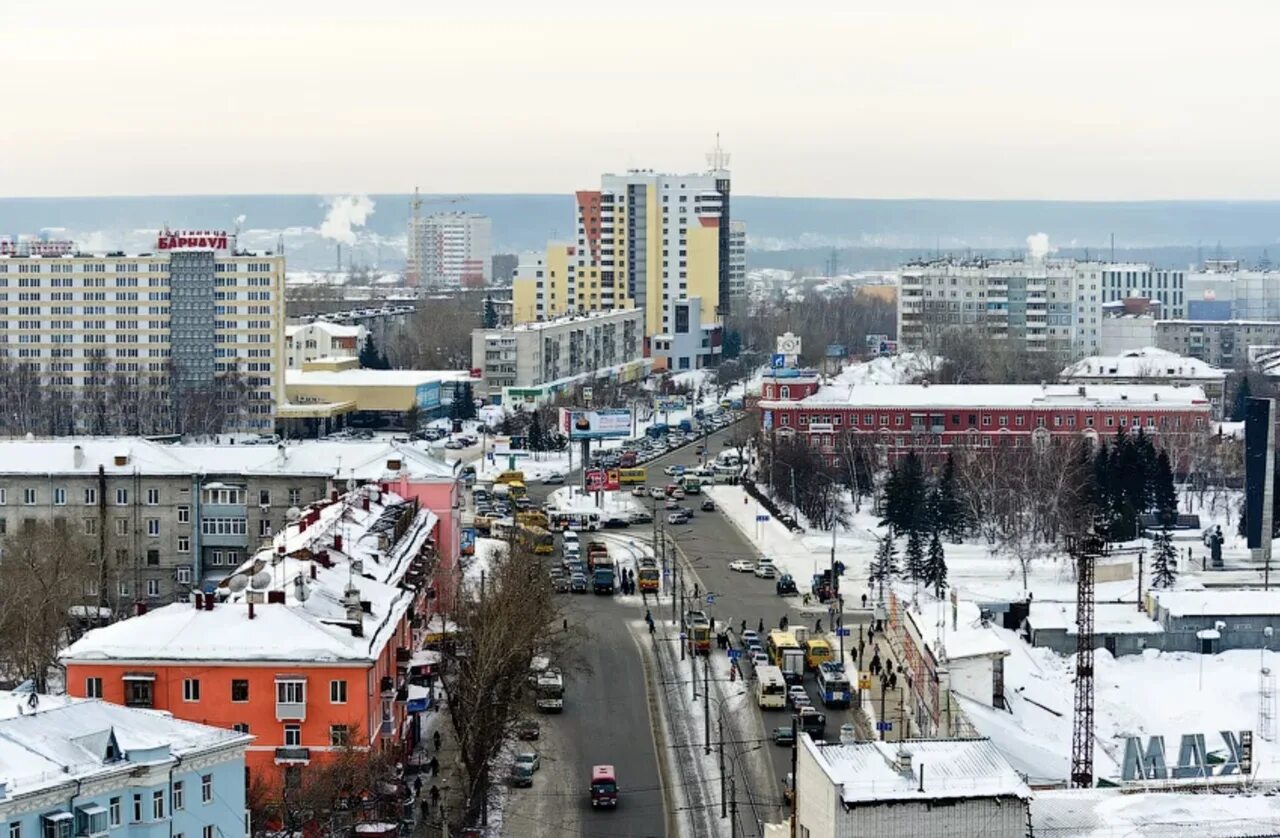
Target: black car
616,523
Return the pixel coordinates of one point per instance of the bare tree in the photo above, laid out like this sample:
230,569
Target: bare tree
327,798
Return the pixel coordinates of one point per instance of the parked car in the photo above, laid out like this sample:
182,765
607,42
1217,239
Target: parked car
765,571
708,505
529,758
528,730
741,566
784,736
454,445
552,479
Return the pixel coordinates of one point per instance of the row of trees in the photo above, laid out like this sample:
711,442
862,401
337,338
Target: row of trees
818,320
920,567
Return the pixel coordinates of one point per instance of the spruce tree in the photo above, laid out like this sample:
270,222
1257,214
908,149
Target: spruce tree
951,517
369,357
537,438
1164,560
935,567
885,565
914,557
1164,492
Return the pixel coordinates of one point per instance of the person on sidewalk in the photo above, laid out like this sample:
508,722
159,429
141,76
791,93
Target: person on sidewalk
435,795
434,765
760,626
417,787
426,807
435,740
817,626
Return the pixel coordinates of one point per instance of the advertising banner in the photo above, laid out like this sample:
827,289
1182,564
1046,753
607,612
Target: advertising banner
427,395
1259,424
604,423
467,543
603,480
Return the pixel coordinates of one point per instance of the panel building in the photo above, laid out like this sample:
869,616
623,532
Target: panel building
453,249
1222,343
646,240
198,316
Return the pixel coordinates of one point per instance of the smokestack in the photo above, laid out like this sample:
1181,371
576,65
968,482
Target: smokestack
77,456
313,570
339,257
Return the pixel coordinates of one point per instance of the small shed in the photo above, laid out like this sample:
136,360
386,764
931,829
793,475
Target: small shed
1241,619
1119,628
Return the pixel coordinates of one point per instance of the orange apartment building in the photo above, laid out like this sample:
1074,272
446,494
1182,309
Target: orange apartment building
308,646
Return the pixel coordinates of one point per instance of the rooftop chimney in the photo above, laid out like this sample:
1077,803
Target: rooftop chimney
77,456
250,610
275,597
902,762
121,458
337,541
364,503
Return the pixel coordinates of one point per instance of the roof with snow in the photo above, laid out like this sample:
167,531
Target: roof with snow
1147,362
1219,603
1084,813
1108,618
1047,396
371,378
323,458
48,741
337,330
868,772
340,603
967,637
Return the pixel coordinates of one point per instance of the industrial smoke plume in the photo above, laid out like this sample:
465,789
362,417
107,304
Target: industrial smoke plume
345,213
1038,246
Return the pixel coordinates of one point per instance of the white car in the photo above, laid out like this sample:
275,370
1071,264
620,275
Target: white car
742,566
672,471
765,571
657,493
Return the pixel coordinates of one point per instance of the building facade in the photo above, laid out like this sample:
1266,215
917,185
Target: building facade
307,646
161,520
1149,366
196,316
1222,290
453,249
1123,281
322,339
737,259
1126,332
535,360
1221,343
91,768
644,240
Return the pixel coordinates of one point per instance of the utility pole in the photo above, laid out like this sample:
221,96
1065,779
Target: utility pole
720,737
706,705
795,787
693,663
733,808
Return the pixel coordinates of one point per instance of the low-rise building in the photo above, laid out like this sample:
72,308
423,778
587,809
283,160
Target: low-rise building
533,361
329,391
93,768
1222,343
1119,628
166,518
937,788
689,343
1123,331
307,645
322,339
1214,621
1149,365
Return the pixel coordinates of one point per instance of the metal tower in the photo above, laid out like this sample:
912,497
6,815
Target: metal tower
1087,549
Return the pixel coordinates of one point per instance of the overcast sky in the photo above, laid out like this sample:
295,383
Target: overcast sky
1115,99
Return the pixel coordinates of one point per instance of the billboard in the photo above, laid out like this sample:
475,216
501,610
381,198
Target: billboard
603,480
467,544
672,403
427,395
1258,477
193,240
604,423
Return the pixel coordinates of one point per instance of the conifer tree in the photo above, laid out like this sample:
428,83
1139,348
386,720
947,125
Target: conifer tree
1164,560
1164,493
1243,392
914,557
935,567
885,565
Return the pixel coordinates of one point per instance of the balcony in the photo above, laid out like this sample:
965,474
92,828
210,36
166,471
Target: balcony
403,654
388,685
293,756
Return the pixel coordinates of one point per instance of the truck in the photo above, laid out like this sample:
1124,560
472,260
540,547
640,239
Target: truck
686,426
550,686
600,567
785,586
648,578
596,549
656,431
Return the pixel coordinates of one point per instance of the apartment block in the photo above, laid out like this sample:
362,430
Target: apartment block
195,315
737,258
452,249
530,362
322,339
1222,343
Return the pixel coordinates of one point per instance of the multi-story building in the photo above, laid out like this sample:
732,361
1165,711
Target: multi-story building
322,339
195,315
530,362
646,240
737,258
1225,291
897,418
453,249
1032,301
1123,281
1149,366
1222,343
167,518
92,768
307,646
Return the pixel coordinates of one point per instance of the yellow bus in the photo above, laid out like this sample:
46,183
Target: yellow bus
516,489
816,653
539,540
532,518
510,477
633,476
785,653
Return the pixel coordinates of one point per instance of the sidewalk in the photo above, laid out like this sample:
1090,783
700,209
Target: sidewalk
427,822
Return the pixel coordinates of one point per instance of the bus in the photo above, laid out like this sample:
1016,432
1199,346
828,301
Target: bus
589,521
540,541
785,653
502,528
816,652
510,477
834,687
517,490
771,688
648,577
633,476
532,518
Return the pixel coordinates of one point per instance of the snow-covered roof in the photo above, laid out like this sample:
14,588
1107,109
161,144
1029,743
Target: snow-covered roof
867,772
356,459
1085,813
47,741
1108,618
322,588
1216,603
336,330
966,638
1148,362
945,396
370,378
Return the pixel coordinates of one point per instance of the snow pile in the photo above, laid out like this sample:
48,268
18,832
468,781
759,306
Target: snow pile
890,369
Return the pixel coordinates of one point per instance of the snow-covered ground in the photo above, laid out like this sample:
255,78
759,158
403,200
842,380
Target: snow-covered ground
610,505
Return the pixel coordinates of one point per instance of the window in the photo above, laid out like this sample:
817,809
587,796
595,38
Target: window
206,788
153,588
93,688
137,693
239,690
4,496
157,805
338,692
122,497
15,830
177,795
338,736
184,575
90,497
207,832
29,497
56,825
1019,420
184,515
59,497
114,811
240,727
137,808
290,692
153,557
986,421
191,689
295,497
184,544
153,527
153,497
122,526
264,497
264,528
293,736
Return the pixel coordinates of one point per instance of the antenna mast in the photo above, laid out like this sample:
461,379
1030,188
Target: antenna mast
1087,549
413,268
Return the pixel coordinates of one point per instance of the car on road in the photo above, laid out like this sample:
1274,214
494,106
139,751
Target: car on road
708,505
759,658
784,736
656,492
794,692
616,522
741,566
528,730
673,470
529,758
560,583
754,647
641,517
678,518
748,637
640,491
454,445
521,776
552,479
786,585
678,493
765,571
578,583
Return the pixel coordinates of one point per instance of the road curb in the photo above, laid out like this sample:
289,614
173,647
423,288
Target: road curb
659,738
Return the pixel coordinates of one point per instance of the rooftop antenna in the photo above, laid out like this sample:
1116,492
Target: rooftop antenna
718,158
1113,248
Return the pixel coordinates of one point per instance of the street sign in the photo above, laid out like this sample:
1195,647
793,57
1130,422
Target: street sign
760,519
711,599
864,680
683,636
734,654
884,726
778,361
843,632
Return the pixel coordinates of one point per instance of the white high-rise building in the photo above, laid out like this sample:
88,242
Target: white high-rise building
452,249
737,258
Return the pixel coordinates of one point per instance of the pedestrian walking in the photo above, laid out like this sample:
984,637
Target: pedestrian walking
864,600
434,765
893,680
782,624
435,795
426,808
760,626
817,626
648,616
435,739
417,787
743,630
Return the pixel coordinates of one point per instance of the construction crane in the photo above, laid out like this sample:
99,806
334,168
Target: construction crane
413,262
